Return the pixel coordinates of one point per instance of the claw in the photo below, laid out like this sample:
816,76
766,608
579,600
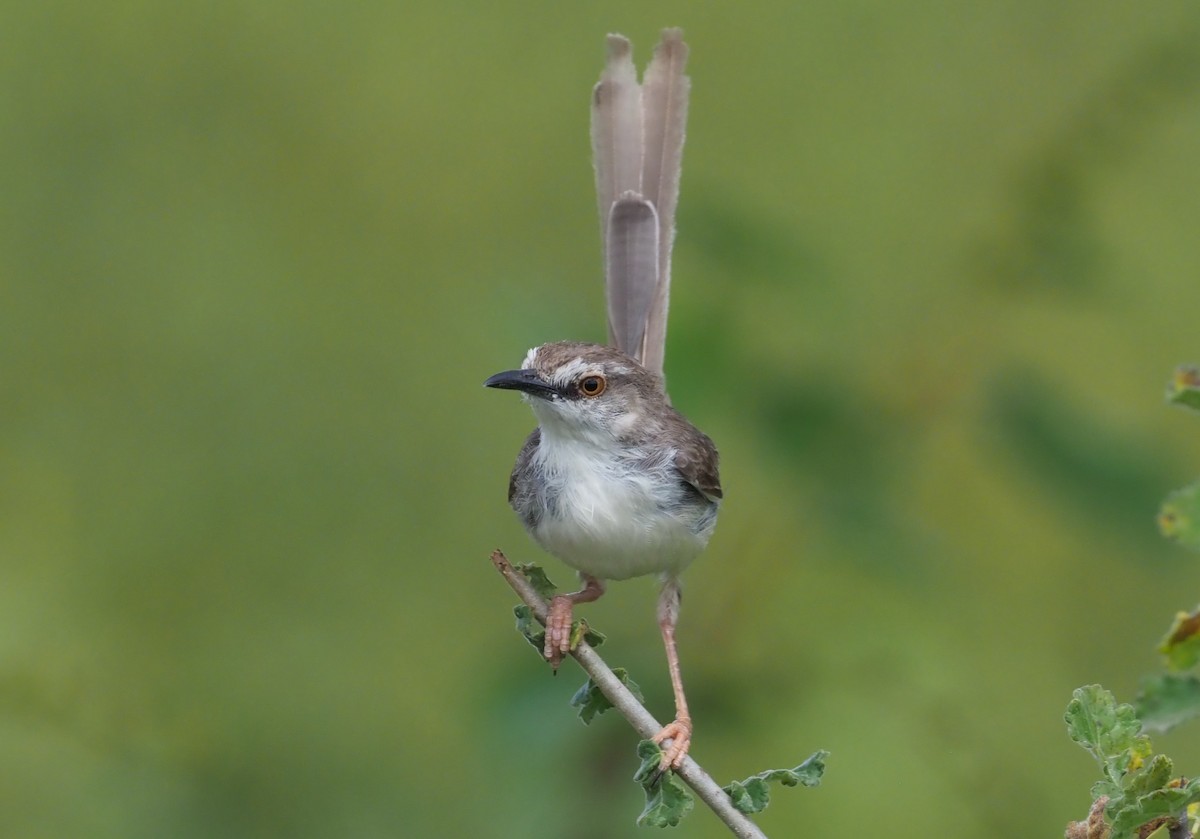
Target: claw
679,732
558,630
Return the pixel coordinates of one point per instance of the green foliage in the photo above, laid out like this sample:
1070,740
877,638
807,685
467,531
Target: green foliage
1139,790
1167,700
1181,644
667,799
1179,516
1171,698
1170,802
536,575
1140,787
528,626
1111,732
753,794
1184,388
590,701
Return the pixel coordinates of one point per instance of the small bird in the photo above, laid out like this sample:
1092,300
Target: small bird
614,481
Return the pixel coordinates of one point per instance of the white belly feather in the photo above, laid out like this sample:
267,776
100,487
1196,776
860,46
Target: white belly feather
612,522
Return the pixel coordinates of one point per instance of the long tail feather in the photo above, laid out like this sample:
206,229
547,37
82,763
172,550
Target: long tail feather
637,146
617,127
665,91
631,262
617,155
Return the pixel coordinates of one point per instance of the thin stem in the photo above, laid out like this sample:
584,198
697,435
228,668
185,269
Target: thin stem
708,790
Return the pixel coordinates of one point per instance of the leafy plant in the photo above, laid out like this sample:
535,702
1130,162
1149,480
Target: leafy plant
590,700
1173,697
667,799
1139,793
1138,788
753,794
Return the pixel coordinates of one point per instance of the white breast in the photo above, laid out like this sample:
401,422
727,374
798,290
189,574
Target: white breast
610,520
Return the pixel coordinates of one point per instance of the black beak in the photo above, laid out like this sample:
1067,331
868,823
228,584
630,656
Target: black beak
526,381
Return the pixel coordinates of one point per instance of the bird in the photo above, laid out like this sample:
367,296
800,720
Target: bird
614,481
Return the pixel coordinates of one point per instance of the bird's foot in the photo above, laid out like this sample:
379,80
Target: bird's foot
679,733
558,629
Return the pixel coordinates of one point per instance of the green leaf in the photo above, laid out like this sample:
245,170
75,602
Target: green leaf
1111,732
1179,516
1154,774
751,797
1184,388
528,626
1171,802
538,579
754,794
1140,788
1167,700
1181,644
667,799
590,701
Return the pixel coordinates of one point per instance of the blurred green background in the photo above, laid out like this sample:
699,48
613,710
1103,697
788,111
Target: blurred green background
935,264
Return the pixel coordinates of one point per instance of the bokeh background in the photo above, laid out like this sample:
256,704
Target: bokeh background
935,264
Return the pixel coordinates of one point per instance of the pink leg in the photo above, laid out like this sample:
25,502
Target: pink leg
679,731
558,621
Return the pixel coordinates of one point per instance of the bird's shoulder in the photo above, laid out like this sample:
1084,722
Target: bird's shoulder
696,457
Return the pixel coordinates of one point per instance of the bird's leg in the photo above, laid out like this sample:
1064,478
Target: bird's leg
558,620
679,731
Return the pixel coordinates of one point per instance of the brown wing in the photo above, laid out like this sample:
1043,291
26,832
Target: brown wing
697,462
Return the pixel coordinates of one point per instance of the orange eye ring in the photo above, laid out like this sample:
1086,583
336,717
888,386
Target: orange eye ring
592,385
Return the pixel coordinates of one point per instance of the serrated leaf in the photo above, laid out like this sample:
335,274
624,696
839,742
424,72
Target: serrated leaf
1154,774
650,755
1181,644
529,627
538,579
1184,388
1111,732
751,797
667,803
1106,789
1179,516
1162,832
1170,802
667,799
754,794
1167,700
591,701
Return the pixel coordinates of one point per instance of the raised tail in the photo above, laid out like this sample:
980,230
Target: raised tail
637,146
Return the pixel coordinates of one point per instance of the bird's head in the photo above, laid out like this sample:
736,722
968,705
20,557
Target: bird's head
587,391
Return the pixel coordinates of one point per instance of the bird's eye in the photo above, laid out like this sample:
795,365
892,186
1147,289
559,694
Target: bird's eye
592,385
